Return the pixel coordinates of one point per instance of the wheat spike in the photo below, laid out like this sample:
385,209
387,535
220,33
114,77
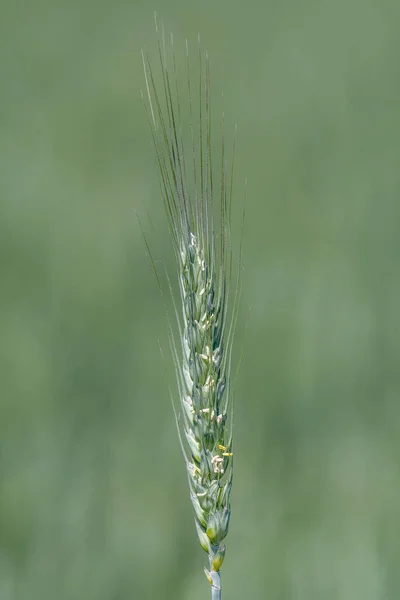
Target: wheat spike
200,225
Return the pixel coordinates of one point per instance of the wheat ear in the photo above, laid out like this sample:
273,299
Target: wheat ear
200,226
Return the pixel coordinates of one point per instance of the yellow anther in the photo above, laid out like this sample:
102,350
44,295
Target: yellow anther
225,449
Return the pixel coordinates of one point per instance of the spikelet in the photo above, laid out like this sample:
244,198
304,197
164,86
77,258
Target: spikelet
200,226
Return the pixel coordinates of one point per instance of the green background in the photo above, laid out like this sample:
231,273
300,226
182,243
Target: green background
93,500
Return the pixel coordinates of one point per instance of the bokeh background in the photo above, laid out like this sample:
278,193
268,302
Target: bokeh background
93,498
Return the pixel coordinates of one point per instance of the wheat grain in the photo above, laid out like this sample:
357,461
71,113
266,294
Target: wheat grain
200,226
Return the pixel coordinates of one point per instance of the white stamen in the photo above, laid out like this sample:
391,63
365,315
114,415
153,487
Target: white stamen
218,464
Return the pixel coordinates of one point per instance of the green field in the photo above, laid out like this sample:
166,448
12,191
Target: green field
93,493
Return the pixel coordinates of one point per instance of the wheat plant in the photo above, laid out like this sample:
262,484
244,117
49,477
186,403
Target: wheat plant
198,206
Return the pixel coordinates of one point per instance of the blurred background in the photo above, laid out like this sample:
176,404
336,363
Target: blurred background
93,499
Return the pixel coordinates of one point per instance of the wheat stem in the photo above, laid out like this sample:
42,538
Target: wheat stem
216,585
